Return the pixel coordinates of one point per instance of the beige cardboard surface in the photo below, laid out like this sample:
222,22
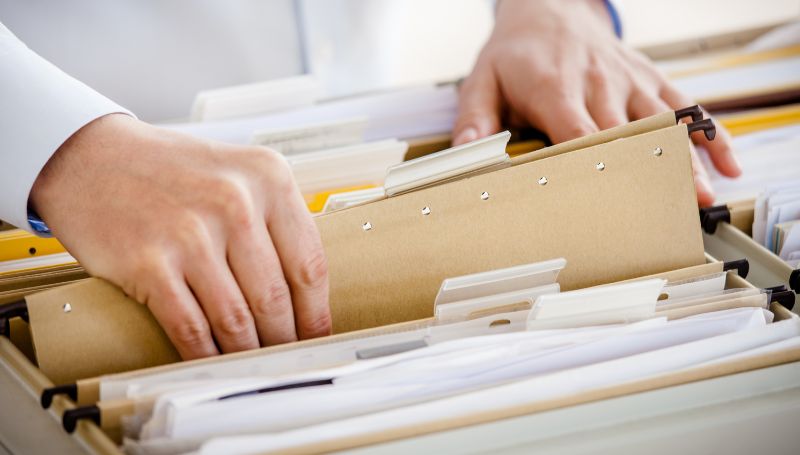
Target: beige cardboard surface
8,284
742,213
638,216
89,389
645,125
21,337
82,343
18,294
36,271
687,272
744,302
114,410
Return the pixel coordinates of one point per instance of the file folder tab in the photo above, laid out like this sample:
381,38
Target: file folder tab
498,281
621,303
447,164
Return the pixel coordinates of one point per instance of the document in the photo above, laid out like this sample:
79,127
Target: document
776,218
343,167
435,373
519,393
766,156
407,113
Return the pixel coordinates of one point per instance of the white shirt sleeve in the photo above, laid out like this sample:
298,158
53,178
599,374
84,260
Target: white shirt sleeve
40,108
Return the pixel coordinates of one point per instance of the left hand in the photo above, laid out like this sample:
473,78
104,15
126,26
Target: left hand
557,65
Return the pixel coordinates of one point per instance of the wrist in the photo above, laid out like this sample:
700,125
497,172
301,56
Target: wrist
510,13
82,151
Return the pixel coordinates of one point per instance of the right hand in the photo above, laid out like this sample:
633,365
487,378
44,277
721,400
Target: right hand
215,239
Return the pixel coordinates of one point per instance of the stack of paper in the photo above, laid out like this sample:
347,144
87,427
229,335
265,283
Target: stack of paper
405,113
254,99
472,358
354,165
309,138
766,157
746,78
776,221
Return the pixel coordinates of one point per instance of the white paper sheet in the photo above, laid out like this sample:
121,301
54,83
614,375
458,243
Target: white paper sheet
407,113
529,391
427,378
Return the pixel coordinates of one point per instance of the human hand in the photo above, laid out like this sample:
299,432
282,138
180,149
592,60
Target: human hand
557,65
215,239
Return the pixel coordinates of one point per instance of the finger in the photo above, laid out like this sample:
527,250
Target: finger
705,193
215,288
177,311
299,247
642,104
565,120
257,269
605,104
720,149
478,107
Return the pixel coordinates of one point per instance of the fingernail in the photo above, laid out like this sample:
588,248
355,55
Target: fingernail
468,135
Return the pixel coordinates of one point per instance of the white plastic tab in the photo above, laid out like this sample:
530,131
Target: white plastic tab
455,161
338,201
499,281
693,287
518,300
612,304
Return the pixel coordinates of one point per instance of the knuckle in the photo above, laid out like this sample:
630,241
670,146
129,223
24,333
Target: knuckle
147,266
234,322
596,75
274,302
272,169
552,84
318,326
313,272
190,333
189,229
232,198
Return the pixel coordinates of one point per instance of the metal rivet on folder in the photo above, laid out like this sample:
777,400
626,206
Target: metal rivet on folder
67,307
600,166
543,181
426,210
657,151
366,226
485,195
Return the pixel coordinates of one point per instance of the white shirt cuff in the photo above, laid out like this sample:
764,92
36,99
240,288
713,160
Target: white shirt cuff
41,108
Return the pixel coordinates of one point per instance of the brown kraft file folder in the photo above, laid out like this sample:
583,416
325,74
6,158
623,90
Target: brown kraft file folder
616,205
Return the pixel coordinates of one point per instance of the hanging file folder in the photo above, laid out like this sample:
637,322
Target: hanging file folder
599,202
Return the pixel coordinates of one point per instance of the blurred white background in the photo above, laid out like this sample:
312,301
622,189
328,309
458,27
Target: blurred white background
152,56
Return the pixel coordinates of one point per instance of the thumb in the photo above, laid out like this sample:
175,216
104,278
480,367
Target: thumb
478,107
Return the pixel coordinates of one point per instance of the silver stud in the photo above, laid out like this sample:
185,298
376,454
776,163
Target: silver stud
366,226
67,307
426,210
600,166
543,181
485,195
657,151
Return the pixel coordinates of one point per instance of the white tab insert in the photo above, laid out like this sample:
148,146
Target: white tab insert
614,304
452,162
458,297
